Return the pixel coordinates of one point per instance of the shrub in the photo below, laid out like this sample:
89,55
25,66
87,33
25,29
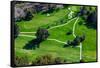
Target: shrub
89,14
47,59
80,23
92,20
21,61
28,15
77,40
82,38
58,60
69,32
68,43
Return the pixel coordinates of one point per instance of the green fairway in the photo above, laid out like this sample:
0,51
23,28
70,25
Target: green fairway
54,44
89,45
51,47
39,20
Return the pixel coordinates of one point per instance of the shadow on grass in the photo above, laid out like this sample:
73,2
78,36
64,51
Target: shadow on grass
33,44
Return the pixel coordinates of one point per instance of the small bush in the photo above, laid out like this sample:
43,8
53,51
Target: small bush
43,60
69,32
47,59
69,43
21,61
80,23
76,41
28,15
58,60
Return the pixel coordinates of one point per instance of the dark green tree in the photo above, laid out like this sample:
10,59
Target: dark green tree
68,43
89,14
42,34
82,38
92,20
28,15
76,41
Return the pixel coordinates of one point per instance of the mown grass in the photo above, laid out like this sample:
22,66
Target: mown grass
47,47
89,45
40,19
60,32
52,47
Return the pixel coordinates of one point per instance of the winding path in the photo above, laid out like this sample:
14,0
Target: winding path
27,35
62,24
74,27
47,39
56,39
52,28
75,36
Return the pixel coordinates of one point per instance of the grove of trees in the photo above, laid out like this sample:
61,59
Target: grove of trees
28,15
76,41
90,15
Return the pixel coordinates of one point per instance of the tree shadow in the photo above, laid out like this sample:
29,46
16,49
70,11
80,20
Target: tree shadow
33,44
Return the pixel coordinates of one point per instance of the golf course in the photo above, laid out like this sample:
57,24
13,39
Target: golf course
63,25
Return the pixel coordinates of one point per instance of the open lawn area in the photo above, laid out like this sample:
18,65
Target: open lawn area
54,44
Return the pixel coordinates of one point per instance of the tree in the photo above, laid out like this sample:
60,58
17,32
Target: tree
76,41
69,32
42,34
28,15
16,30
82,38
83,11
92,20
68,43
89,14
